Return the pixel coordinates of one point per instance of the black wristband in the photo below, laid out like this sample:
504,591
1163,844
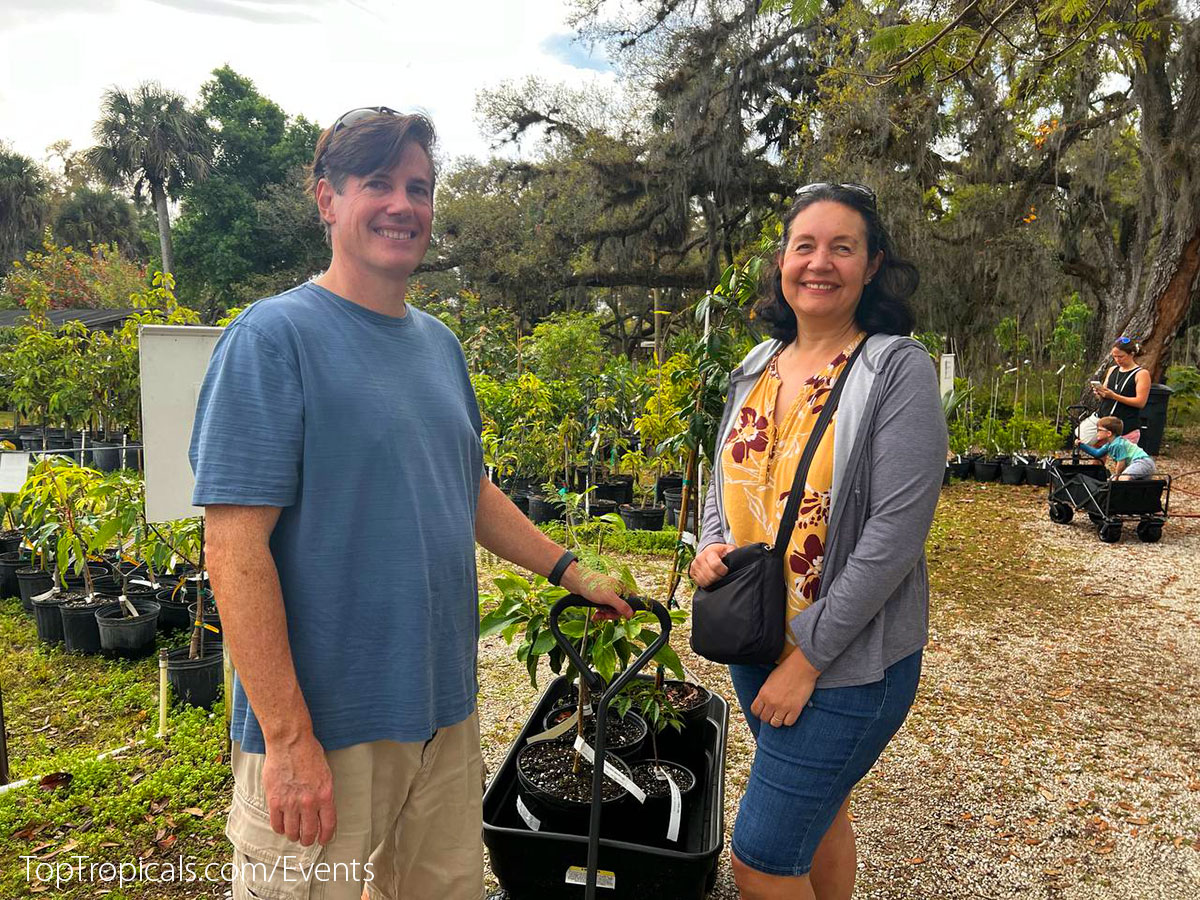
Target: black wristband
560,568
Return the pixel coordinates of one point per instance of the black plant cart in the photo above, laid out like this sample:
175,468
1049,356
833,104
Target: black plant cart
542,865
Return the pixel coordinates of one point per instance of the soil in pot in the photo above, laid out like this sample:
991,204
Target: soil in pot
643,518
128,636
653,820
623,736
102,579
49,619
196,681
558,793
32,581
9,563
81,634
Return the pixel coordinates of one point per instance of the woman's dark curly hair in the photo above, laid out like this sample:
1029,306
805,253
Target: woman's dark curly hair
883,308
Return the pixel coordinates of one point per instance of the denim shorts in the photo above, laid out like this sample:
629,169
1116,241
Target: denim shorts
803,773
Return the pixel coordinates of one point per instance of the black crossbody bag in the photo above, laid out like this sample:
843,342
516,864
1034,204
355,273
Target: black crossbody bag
741,617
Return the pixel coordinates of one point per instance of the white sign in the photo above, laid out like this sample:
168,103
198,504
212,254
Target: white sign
173,360
14,469
946,372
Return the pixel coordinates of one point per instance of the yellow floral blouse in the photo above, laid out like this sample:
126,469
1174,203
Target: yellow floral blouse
758,464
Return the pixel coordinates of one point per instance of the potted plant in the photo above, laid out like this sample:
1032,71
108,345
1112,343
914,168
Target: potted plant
643,514
668,784
1008,438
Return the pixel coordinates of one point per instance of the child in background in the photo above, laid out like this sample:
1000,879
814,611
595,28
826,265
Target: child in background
1132,461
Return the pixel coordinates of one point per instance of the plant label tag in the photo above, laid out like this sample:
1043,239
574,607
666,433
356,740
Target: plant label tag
534,823
551,733
686,537
43,597
676,804
142,581
14,469
610,770
604,879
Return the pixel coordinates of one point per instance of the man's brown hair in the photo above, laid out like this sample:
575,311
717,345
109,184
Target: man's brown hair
1113,424
370,145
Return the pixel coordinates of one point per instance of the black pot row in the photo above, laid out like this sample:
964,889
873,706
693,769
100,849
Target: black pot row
1007,470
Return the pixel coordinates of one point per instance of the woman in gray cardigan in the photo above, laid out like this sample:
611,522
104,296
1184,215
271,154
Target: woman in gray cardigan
858,593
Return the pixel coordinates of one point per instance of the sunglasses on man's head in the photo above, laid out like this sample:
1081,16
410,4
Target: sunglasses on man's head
845,185
361,114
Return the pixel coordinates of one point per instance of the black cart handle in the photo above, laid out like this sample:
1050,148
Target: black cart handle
637,604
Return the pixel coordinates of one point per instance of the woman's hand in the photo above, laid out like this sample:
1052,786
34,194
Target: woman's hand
786,691
707,568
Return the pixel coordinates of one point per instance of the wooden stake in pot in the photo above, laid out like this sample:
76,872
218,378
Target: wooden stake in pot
3,744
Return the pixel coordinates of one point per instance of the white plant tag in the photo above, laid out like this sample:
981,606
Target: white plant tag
551,733
604,879
688,538
610,770
676,803
40,598
129,607
534,823
142,581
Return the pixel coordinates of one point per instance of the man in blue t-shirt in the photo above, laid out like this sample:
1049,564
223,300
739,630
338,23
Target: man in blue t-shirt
337,451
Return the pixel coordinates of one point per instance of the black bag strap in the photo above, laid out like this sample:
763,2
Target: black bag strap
788,522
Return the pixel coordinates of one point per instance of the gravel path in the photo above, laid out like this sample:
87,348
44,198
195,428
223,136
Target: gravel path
1054,750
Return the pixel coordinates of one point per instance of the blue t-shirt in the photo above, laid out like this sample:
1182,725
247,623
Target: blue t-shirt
1118,450
365,430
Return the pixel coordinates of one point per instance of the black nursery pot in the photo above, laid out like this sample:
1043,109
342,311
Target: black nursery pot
566,814
9,563
664,483
102,579
173,605
960,466
598,508
1037,473
1011,471
520,500
131,638
673,500
31,582
81,633
986,469
643,518
650,823
542,510
196,681
625,736
49,620
618,488
10,540
211,617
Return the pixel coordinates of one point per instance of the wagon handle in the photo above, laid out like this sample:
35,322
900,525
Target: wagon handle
664,618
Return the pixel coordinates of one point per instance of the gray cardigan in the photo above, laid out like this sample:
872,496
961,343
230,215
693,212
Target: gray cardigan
889,454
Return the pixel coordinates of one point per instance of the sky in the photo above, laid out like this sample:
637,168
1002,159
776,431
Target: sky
318,58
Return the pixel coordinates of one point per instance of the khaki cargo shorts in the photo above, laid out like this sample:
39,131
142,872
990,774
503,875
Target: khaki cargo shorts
409,825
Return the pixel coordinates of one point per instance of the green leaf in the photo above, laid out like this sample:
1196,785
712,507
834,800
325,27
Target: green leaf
543,643
670,659
493,623
605,660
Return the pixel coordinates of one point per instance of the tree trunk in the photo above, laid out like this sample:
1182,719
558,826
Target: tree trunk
1150,299
159,196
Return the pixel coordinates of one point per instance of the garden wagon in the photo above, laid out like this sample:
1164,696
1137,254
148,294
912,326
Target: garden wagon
1085,486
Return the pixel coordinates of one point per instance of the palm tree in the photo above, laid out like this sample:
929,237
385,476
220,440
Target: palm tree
23,205
152,139
90,217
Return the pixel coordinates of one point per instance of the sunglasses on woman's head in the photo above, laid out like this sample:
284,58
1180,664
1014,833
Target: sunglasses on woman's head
361,114
845,185
1123,341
